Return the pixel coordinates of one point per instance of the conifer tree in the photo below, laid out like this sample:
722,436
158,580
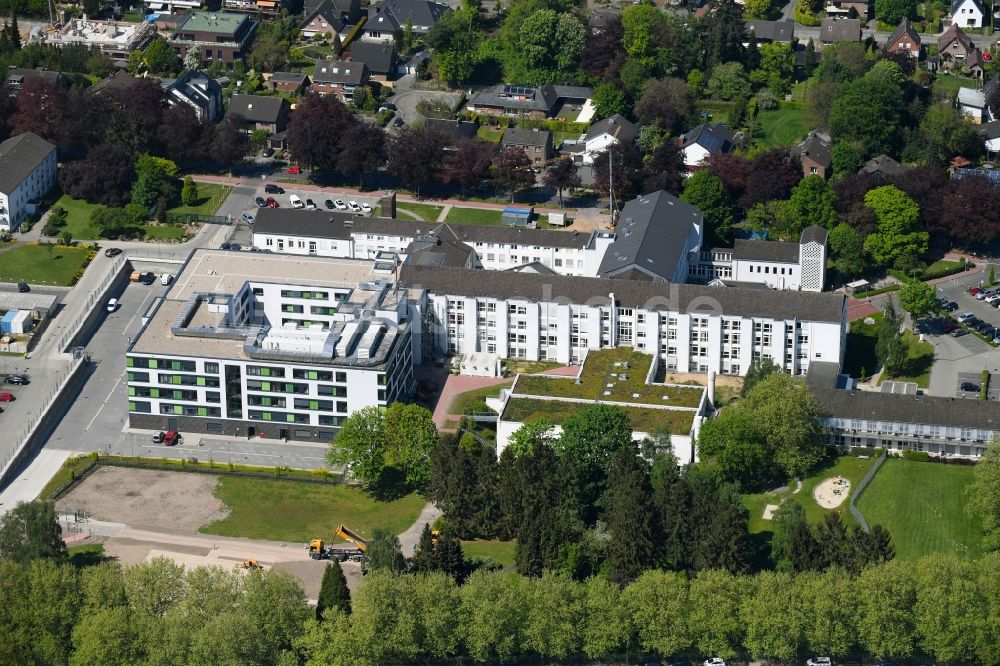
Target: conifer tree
333,591
629,517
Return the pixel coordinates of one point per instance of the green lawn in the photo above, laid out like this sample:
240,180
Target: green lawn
850,467
461,401
486,133
474,216
923,507
38,264
164,232
78,217
501,551
642,419
919,359
294,511
423,211
86,554
784,126
948,84
210,197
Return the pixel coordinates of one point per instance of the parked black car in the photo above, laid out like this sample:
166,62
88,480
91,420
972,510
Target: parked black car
271,188
113,252
23,287
261,202
147,279
970,387
18,380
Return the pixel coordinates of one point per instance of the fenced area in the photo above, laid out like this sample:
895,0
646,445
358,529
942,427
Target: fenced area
861,488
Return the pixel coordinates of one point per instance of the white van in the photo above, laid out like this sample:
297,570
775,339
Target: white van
296,201
165,279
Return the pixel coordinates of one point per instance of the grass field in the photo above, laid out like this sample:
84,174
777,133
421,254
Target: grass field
86,554
38,264
859,356
423,211
919,359
164,232
487,133
501,551
784,126
948,84
923,507
850,467
210,197
291,511
473,216
78,217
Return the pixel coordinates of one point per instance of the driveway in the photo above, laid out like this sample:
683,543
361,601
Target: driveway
406,102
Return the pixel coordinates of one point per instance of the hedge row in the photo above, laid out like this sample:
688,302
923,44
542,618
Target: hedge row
876,292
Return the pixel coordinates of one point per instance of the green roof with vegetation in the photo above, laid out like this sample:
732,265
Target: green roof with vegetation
642,419
602,379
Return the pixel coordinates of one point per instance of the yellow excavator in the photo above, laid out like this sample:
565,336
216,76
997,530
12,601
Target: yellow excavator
252,565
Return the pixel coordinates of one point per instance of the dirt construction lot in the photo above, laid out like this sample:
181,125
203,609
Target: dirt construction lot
156,513
146,499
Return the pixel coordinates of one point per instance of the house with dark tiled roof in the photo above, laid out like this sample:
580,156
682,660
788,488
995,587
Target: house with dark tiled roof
330,17
833,30
262,112
816,154
453,129
386,19
883,166
904,40
118,82
702,141
289,82
340,78
954,46
27,173
536,143
198,91
16,77
763,31
380,58
544,101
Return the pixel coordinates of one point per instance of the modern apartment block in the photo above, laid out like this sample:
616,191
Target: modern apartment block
27,173
689,328
276,346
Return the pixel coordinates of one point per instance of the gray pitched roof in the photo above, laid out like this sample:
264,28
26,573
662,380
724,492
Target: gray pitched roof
19,155
884,165
952,34
776,31
813,233
904,28
713,138
901,408
455,129
523,136
956,5
341,72
331,224
289,77
839,30
117,80
988,131
655,295
329,11
818,147
257,108
765,250
380,58
651,235
17,75
439,252
393,14
617,125
526,98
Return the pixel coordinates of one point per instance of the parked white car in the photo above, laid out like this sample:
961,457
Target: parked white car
965,316
353,205
166,278
339,205
715,661
819,661
112,305
366,208
296,201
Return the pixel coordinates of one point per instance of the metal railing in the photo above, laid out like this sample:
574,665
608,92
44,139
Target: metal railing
861,488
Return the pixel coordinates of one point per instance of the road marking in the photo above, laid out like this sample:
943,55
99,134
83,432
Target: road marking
117,382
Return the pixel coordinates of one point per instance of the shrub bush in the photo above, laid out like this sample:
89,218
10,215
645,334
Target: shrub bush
917,456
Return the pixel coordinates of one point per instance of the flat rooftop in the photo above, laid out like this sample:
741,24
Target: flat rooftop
225,23
611,375
225,272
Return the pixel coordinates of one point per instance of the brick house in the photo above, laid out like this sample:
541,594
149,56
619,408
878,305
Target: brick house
816,154
536,143
904,40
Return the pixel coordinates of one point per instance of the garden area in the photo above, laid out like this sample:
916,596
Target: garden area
501,551
642,419
851,468
418,211
485,216
296,511
861,359
923,505
783,126
36,263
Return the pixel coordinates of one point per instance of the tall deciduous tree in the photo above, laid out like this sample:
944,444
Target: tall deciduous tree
789,517
664,170
590,440
31,531
889,347
667,100
884,620
918,298
384,552
362,151
812,202
316,129
512,170
161,58
847,249
984,494
468,164
417,156
707,193
970,211
899,239
562,175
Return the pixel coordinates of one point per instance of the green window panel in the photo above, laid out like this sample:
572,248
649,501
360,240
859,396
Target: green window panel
201,381
129,361
265,372
267,416
152,362
131,390
154,393
178,409
265,386
313,404
178,395
313,374
290,418
203,411
175,365
176,379
131,406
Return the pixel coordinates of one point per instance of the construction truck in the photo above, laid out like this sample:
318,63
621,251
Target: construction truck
251,564
347,534
319,551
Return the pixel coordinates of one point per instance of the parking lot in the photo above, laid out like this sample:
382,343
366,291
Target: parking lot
967,303
975,379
